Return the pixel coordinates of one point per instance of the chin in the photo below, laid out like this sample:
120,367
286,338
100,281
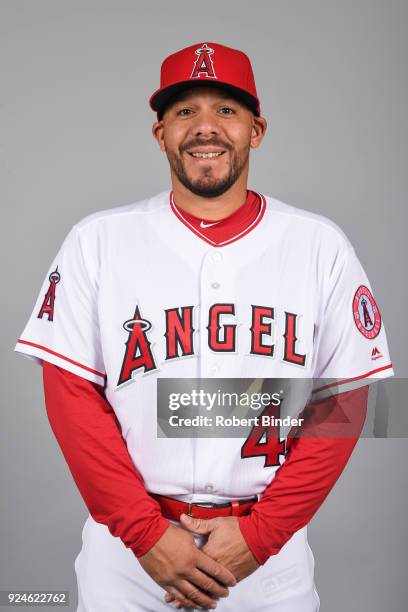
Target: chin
206,190
208,181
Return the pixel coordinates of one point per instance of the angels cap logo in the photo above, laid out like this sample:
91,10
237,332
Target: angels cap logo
203,64
367,317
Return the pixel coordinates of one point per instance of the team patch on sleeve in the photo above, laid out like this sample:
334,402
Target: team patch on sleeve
367,317
47,307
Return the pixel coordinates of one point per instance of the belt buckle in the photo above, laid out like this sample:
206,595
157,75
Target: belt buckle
200,505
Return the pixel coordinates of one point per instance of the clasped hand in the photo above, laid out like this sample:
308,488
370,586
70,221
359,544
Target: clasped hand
197,577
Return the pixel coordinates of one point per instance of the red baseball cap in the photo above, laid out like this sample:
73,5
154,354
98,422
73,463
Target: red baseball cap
210,64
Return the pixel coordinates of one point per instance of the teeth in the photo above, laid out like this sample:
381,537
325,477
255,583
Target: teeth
206,154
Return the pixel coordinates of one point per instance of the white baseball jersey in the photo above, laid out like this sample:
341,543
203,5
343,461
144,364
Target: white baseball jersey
135,294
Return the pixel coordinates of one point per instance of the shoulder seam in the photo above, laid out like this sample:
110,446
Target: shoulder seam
115,212
293,212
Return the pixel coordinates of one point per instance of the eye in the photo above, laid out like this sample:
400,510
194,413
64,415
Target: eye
184,112
226,110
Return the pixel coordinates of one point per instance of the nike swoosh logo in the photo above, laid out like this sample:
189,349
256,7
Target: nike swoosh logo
203,225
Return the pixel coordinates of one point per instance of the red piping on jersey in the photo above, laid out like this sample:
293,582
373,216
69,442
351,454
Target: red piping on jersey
191,227
44,348
349,380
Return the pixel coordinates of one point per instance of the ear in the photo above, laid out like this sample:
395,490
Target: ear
259,126
158,133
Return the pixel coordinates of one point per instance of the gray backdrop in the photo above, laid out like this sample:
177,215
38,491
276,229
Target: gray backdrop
76,76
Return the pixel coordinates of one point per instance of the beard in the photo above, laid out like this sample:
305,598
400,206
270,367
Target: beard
208,186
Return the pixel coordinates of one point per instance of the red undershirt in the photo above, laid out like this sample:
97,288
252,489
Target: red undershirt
89,436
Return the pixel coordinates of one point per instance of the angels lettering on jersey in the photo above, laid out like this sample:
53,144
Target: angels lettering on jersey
221,337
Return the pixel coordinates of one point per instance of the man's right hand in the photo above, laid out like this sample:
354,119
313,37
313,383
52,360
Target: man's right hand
184,571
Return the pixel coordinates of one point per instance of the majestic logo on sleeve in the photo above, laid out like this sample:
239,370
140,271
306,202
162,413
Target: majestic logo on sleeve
203,64
367,317
47,307
376,353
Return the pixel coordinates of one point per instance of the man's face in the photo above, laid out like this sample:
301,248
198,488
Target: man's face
207,135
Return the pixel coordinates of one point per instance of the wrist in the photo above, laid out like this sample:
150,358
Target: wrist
151,536
256,541
252,539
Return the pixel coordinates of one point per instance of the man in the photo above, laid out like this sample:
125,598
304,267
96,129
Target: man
208,280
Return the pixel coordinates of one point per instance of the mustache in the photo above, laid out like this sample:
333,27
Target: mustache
196,142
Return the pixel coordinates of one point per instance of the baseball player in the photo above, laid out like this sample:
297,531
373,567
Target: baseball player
208,280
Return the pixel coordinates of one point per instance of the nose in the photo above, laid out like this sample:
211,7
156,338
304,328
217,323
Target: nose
205,124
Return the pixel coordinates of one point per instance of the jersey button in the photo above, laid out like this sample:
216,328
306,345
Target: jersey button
215,285
217,256
214,369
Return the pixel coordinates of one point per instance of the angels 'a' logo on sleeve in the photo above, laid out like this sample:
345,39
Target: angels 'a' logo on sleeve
367,317
47,307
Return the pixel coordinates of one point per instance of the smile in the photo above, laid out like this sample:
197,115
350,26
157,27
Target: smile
208,155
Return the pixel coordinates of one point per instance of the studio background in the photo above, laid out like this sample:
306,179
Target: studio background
76,138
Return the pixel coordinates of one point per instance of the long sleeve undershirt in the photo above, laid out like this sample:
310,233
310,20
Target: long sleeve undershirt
88,433
311,468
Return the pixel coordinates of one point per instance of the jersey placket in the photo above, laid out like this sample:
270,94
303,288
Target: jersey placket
216,287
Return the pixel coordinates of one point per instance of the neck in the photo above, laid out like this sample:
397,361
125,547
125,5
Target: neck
211,208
